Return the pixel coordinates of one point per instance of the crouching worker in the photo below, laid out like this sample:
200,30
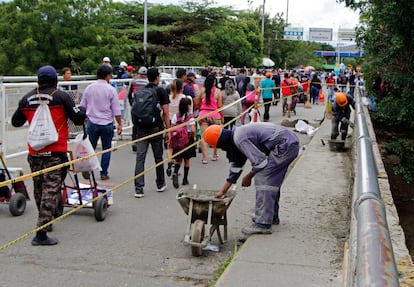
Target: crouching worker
341,113
270,149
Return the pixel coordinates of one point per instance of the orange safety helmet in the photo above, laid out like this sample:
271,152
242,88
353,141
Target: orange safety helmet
212,134
341,99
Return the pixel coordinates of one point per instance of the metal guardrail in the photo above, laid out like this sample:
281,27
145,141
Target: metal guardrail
375,262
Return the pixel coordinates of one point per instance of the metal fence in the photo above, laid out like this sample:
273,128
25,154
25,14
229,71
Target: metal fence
12,89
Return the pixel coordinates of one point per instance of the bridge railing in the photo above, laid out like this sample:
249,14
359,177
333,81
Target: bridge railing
372,257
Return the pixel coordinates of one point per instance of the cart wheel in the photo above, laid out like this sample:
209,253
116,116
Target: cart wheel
197,236
17,204
59,205
101,205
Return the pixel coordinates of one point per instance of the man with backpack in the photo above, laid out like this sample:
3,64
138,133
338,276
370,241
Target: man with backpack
139,81
46,186
148,103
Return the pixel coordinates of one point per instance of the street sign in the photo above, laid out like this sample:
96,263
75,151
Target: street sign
346,34
349,67
293,33
320,34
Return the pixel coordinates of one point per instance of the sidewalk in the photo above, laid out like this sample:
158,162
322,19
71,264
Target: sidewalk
307,248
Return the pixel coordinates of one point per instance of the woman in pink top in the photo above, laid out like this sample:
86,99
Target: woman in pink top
176,94
209,99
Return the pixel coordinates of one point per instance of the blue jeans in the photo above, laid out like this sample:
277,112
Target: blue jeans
331,94
314,94
157,150
106,133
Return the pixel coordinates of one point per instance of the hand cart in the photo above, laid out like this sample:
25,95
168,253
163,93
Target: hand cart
205,215
78,193
15,196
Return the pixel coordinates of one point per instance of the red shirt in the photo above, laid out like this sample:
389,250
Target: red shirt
330,82
286,87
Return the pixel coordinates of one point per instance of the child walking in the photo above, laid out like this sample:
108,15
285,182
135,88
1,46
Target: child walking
184,115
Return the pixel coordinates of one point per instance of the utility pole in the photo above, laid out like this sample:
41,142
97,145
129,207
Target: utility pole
287,13
263,16
144,44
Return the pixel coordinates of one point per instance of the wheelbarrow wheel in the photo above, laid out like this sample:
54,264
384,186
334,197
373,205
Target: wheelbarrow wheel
197,236
17,204
59,205
101,205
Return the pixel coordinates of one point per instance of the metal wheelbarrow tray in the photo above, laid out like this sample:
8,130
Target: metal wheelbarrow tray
205,215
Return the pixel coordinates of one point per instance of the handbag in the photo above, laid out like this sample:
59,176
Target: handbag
250,97
42,130
83,147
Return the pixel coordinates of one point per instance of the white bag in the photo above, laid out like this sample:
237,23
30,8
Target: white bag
252,114
82,148
304,128
42,131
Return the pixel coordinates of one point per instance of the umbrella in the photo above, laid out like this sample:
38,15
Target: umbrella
267,62
309,68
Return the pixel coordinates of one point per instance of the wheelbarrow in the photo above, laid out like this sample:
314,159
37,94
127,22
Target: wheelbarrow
205,215
16,195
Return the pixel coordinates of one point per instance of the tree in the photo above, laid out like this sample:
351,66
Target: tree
386,37
61,33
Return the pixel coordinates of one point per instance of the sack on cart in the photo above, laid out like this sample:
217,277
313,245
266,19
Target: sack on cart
82,148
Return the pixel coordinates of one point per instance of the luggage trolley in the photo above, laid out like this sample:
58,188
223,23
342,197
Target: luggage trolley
78,193
205,215
16,195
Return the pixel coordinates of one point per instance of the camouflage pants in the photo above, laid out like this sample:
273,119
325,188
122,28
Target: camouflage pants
46,186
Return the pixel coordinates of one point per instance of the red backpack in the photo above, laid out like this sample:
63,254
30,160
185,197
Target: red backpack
179,136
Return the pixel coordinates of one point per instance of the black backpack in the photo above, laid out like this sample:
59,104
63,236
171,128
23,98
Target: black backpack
144,108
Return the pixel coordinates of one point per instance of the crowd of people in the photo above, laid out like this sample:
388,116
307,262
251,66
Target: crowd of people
194,105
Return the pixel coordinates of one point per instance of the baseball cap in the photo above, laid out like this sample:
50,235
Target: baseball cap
46,73
106,59
142,70
130,68
228,72
123,64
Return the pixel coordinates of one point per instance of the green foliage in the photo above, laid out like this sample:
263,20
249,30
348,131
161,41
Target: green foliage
223,267
79,33
394,111
385,35
60,33
405,151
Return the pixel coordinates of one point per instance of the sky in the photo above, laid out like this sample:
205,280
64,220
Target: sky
301,13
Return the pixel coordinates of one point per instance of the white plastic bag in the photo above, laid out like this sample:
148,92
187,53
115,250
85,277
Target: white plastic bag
254,113
304,128
42,131
83,147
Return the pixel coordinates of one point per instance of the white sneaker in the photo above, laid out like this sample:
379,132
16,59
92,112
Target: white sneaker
139,194
162,188
254,229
